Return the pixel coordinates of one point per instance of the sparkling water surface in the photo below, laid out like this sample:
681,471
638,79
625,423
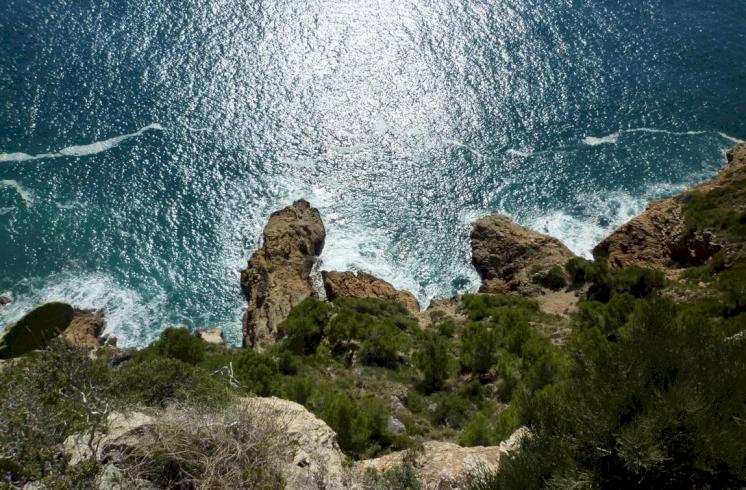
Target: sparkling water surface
144,144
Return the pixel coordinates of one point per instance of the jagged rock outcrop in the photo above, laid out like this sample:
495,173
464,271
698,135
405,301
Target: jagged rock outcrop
363,285
211,335
443,465
506,255
658,238
278,275
85,329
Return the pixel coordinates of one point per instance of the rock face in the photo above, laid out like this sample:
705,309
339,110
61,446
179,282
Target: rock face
505,254
657,238
363,285
443,465
278,275
85,329
313,458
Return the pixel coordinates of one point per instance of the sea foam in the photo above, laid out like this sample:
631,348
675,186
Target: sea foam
26,195
80,150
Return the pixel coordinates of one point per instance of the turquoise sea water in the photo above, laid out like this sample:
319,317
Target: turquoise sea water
144,144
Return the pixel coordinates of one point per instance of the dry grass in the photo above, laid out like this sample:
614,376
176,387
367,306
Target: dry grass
239,447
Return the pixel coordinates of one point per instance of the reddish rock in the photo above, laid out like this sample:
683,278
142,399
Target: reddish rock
363,285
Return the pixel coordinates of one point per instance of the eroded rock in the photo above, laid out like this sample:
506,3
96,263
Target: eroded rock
85,329
507,255
658,239
278,274
363,285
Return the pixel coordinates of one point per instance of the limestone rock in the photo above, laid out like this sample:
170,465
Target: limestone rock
363,285
443,465
85,329
211,335
505,254
313,458
278,275
657,238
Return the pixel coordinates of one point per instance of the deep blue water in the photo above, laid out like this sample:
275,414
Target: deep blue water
144,144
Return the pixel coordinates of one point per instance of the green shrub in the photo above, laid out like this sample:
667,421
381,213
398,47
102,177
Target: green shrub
477,432
35,329
451,409
553,278
382,344
656,407
304,327
482,306
158,381
478,347
288,364
45,397
433,360
582,271
257,372
177,343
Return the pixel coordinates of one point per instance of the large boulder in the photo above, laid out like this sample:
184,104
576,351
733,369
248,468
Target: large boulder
363,285
507,255
278,275
85,329
658,238
442,465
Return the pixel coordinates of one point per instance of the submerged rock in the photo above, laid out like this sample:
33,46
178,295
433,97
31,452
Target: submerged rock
658,238
5,299
363,285
278,274
507,255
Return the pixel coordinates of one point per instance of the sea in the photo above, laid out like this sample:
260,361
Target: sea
143,144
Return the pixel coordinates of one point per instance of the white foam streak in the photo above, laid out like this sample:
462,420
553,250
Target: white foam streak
614,137
26,195
80,150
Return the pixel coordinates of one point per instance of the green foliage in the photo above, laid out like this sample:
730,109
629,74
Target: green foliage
553,278
304,327
382,344
402,477
158,381
361,426
478,347
477,432
605,283
45,397
256,372
433,360
660,405
481,306
35,329
177,343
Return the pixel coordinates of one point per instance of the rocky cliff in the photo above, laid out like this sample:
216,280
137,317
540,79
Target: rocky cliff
508,255
278,275
660,238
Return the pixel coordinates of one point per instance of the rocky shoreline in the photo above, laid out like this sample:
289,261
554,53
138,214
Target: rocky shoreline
510,259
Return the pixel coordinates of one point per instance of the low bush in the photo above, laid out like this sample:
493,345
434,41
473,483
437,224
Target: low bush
303,329
159,381
432,358
177,343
